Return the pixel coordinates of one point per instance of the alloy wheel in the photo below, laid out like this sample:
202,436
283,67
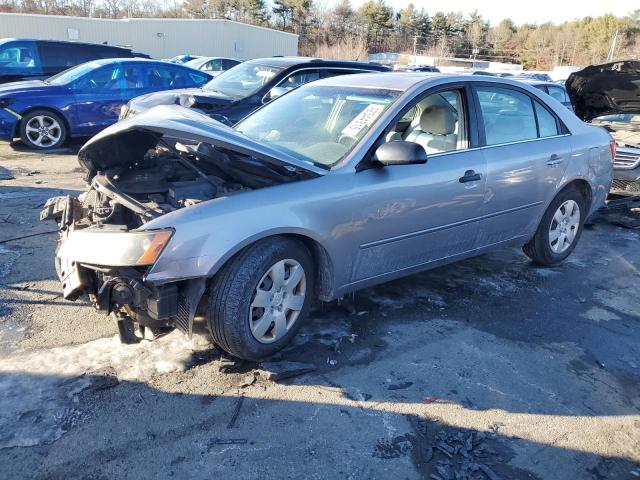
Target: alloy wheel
277,301
564,226
43,131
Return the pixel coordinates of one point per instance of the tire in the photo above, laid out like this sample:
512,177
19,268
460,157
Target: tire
243,299
543,249
43,130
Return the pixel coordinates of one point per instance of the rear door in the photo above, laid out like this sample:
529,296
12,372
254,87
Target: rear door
99,95
526,153
56,57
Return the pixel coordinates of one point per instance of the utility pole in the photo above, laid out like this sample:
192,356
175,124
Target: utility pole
612,50
415,49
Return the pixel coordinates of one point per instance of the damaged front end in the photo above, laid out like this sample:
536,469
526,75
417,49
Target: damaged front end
137,170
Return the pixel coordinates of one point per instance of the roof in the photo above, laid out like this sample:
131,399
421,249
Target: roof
6,40
107,61
286,62
533,81
405,80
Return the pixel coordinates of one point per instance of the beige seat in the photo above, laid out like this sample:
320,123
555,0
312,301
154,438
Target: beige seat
436,130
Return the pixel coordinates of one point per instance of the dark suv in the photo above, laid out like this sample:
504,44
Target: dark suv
23,59
235,93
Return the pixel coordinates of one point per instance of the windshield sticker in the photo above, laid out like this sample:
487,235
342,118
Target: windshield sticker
363,120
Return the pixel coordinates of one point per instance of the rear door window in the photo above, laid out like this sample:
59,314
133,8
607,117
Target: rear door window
508,115
161,77
58,57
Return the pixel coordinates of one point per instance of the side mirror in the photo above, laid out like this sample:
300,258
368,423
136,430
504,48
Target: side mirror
275,92
400,153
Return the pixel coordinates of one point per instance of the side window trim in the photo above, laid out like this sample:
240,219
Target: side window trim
562,129
470,120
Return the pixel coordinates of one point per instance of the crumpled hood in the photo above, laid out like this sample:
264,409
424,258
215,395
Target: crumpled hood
608,89
179,97
127,141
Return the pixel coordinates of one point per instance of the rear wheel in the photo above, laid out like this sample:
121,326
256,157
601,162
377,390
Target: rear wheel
43,130
559,229
259,299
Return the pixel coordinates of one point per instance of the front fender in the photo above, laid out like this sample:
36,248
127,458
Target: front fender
209,234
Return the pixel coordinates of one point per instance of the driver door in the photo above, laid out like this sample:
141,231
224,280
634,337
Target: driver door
98,98
409,216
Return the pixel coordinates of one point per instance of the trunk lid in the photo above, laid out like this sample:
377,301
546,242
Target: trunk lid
608,89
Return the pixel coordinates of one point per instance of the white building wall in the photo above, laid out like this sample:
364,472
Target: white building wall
160,38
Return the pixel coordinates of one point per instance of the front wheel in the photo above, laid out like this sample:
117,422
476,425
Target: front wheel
43,130
559,229
258,301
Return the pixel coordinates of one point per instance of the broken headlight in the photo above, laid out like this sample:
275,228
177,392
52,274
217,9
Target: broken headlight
114,248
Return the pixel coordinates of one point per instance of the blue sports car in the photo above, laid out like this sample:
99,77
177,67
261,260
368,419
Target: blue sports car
85,99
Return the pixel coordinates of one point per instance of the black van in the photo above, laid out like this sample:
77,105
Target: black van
26,59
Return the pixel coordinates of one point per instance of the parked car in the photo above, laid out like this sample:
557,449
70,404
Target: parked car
212,65
180,59
543,77
26,59
234,94
83,100
483,72
340,184
559,92
608,95
417,68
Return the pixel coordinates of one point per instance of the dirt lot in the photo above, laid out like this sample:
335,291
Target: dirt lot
490,368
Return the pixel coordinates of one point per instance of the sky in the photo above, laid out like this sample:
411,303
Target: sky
520,11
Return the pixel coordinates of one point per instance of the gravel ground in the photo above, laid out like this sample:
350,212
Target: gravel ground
489,368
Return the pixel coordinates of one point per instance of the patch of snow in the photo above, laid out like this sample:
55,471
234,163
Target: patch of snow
38,390
7,258
598,314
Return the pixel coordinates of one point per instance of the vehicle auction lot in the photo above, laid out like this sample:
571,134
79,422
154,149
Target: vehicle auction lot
488,368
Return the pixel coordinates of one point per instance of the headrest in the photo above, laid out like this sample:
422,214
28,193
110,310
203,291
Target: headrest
437,119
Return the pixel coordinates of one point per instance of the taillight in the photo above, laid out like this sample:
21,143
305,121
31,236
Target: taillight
612,146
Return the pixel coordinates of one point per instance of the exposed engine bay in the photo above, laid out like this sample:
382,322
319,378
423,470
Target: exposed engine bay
168,178
135,175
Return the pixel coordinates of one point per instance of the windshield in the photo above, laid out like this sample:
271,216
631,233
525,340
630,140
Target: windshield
72,73
242,80
318,123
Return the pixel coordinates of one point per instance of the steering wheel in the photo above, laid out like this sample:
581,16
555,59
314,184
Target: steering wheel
347,140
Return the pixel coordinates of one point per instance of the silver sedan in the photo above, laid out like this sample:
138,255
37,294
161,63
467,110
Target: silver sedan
338,185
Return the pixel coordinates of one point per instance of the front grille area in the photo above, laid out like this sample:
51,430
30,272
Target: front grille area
626,158
625,187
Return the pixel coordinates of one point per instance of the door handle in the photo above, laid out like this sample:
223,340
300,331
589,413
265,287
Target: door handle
554,160
469,176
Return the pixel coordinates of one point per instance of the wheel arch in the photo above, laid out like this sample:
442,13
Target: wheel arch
324,275
583,186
